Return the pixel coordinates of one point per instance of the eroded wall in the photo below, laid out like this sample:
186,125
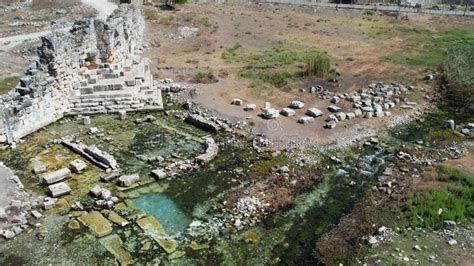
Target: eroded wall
46,90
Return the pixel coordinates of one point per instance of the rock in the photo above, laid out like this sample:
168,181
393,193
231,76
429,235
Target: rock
372,241
97,223
250,107
341,116
36,214
287,112
49,204
212,149
96,191
270,113
77,166
314,112
296,105
39,169
3,214
201,122
128,180
86,120
334,109
159,173
429,77
466,131
9,234
335,99
106,194
283,170
77,206
122,114
452,242
237,102
93,130
74,225
417,248
59,189
306,120
56,176
449,225
331,124
451,125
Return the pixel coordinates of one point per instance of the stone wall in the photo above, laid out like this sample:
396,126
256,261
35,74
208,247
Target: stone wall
47,90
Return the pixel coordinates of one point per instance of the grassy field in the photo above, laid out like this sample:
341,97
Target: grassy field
427,48
8,84
454,201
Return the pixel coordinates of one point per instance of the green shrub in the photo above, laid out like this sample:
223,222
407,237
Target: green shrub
318,65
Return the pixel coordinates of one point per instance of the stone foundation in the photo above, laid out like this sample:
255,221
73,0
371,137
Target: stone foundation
94,68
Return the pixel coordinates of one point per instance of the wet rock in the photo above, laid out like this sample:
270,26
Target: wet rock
201,122
212,149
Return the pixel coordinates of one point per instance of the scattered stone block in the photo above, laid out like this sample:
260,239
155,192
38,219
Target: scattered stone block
331,124
341,116
128,180
237,102
314,112
39,169
270,113
334,109
86,120
97,223
36,214
56,176
122,114
296,105
451,124
287,112
59,189
3,214
159,173
306,120
96,191
250,107
77,166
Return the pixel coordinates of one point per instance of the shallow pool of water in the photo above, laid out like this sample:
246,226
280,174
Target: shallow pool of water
163,208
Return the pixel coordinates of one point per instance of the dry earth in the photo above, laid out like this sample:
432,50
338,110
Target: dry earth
346,35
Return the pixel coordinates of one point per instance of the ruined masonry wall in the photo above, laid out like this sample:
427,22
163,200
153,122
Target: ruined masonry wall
45,93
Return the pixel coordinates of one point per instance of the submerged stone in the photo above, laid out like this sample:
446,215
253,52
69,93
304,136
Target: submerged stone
114,245
74,225
152,228
97,223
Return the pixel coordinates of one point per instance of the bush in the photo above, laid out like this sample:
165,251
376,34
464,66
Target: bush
318,65
458,72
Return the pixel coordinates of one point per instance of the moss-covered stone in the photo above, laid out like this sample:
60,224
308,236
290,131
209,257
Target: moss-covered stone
97,223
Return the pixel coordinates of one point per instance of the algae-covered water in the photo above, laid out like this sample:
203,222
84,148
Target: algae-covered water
287,237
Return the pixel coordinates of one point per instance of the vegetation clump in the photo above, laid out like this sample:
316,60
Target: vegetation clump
8,84
454,201
458,72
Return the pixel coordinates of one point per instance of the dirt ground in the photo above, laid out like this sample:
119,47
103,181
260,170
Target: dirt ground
346,35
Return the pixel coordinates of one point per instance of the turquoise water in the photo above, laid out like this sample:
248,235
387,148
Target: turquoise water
165,210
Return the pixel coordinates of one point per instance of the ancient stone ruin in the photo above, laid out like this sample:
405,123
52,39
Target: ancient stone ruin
94,68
